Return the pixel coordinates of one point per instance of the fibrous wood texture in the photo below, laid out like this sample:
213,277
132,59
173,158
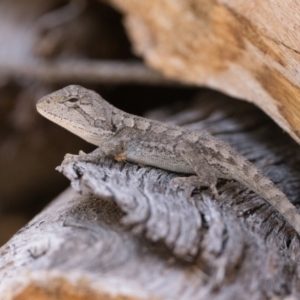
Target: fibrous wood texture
248,49
127,236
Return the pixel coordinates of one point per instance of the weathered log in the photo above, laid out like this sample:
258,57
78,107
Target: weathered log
124,237
247,49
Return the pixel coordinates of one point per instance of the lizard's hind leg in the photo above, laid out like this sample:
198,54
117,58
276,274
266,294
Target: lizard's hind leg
206,175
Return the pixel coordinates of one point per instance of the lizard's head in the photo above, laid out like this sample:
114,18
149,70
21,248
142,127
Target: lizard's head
79,110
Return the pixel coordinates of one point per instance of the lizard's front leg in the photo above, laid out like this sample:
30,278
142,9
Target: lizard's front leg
113,148
206,176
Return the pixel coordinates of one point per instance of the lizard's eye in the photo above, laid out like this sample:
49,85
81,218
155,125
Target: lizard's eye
73,100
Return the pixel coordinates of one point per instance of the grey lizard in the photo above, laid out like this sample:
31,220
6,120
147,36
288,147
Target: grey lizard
123,136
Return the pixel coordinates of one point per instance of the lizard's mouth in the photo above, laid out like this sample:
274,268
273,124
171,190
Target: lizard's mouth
47,113
40,106
55,114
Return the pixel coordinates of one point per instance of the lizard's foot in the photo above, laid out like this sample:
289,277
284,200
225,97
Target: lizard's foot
192,182
206,175
92,157
185,183
112,148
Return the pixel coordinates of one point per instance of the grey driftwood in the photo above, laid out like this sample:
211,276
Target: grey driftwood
121,234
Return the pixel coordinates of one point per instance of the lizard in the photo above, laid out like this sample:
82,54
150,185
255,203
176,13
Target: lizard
123,136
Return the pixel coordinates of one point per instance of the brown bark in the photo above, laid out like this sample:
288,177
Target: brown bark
121,237
247,49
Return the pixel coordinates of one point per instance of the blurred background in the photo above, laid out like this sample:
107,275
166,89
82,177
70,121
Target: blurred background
44,46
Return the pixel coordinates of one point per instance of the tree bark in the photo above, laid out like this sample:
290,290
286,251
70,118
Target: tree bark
126,235
247,49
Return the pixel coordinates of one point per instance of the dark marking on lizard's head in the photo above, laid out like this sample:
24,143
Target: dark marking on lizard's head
231,160
79,110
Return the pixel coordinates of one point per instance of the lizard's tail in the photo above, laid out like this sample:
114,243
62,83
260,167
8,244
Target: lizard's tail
268,190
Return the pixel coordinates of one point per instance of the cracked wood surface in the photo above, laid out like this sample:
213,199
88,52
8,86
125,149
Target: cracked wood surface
120,238
247,49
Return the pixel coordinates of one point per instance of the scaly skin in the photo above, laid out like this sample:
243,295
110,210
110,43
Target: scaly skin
123,136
